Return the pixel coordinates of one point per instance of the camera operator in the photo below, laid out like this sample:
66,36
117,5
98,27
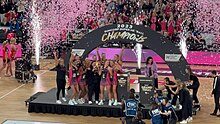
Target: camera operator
28,64
130,108
137,98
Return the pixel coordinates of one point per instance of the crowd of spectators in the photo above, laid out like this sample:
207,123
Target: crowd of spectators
11,19
164,16
11,13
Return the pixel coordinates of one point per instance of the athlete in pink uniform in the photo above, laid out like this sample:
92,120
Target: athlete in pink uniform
12,56
117,69
73,79
106,81
5,55
82,82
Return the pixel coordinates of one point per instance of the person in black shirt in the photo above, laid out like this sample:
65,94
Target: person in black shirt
60,78
216,92
194,86
185,101
29,65
137,97
170,83
94,81
190,41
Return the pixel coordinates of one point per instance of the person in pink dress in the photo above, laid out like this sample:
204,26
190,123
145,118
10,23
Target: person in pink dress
117,68
178,24
171,25
106,81
163,24
168,9
153,21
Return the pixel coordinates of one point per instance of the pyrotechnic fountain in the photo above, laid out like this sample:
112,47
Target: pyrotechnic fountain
36,25
183,36
138,50
138,53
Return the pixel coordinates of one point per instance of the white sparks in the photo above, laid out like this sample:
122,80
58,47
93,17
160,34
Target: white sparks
138,51
182,44
36,25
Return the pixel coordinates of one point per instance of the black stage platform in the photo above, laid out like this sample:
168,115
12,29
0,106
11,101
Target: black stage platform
46,103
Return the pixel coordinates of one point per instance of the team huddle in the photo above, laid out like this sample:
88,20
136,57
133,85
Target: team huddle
89,77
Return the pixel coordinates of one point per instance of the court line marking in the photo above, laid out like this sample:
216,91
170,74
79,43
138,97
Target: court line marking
19,87
11,91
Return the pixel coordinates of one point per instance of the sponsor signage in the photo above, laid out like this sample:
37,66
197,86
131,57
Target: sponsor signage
78,52
172,57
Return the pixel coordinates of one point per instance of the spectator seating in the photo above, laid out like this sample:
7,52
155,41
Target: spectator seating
164,16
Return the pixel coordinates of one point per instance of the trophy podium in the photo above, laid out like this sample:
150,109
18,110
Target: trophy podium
146,86
123,85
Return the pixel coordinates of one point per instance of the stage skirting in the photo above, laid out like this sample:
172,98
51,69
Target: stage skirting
85,110
45,103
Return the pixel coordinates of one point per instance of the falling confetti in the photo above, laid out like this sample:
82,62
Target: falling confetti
48,21
205,15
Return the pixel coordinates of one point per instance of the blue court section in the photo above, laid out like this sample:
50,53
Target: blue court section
27,122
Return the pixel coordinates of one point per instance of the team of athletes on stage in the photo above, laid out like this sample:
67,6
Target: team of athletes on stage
8,56
89,77
93,76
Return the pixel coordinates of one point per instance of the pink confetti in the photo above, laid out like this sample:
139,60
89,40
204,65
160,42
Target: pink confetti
207,15
58,16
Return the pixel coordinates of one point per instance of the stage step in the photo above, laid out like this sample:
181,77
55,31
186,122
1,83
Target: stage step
33,97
